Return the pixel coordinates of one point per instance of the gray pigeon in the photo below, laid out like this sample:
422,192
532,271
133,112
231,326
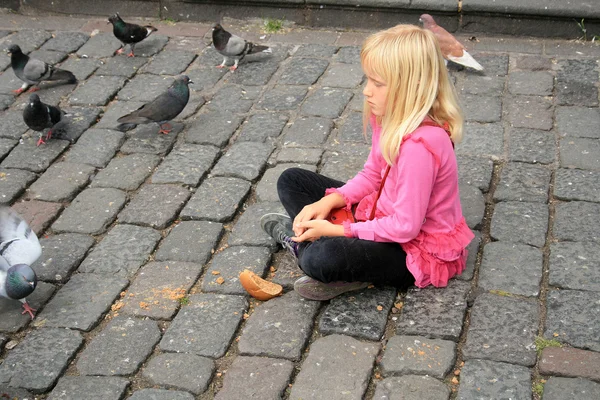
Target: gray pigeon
162,109
33,72
39,116
19,248
232,46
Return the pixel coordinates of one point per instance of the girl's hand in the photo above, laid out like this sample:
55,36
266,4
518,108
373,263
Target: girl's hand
313,230
318,210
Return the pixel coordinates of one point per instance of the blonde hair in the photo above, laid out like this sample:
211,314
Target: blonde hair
410,62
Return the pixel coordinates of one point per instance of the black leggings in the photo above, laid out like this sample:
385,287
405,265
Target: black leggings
339,258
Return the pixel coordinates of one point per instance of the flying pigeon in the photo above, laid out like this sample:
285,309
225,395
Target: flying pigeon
232,46
452,49
39,116
19,248
32,71
129,33
162,109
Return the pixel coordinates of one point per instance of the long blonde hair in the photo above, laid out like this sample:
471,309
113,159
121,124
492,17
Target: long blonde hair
409,60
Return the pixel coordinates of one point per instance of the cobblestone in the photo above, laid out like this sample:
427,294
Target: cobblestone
217,199
155,205
192,241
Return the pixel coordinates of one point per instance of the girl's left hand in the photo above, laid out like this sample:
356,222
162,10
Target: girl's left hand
316,228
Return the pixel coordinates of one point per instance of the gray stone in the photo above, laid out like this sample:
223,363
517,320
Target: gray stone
337,366
533,63
473,249
126,173
279,328
511,268
155,205
212,318
299,155
315,50
61,255
532,146
121,66
303,71
27,155
96,147
557,388
27,39
204,78
102,45
266,190
116,110
13,392
344,163
151,45
89,387
531,112
192,241
12,183
503,328
480,108
583,153
260,127
186,164
571,318
254,73
416,355
573,266
577,221
8,84
434,312
122,251
281,98
475,171
120,348
481,84
482,140
35,364
326,102
160,289
343,76
146,139
308,132
518,222
362,314
497,65
12,318
6,145
254,377
217,199
12,125
482,379
81,302
523,182
160,394
170,62
352,129
97,90
78,121
48,56
82,68
473,205
61,182
66,42
180,371
214,128
246,232
233,98
411,387
578,122
5,101
531,83
145,88
348,55
244,160
577,83
223,274
92,211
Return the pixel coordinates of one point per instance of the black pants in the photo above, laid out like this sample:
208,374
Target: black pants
331,259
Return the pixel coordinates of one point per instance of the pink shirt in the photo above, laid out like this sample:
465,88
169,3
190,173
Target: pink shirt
419,206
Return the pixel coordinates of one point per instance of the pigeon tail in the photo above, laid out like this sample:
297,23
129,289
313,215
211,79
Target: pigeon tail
125,127
62,75
260,49
466,60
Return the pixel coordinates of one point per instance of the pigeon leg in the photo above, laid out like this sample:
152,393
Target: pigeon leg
21,89
223,63
41,141
121,50
234,66
131,51
165,131
33,89
27,309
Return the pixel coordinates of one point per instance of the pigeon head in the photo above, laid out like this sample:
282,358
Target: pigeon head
184,79
427,20
114,18
20,281
14,49
217,27
34,99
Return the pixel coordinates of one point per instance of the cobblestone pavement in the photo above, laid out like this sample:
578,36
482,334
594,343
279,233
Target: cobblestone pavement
144,235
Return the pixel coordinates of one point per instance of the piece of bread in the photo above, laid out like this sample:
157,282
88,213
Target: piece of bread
259,288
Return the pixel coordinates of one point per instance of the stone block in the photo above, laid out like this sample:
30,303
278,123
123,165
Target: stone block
342,76
12,319
212,128
13,183
577,221
482,140
344,163
61,182
491,379
260,127
80,387
96,147
531,146
308,132
160,394
12,125
245,160
180,371
473,205
577,83
570,362
578,122
326,102
518,222
96,91
266,190
570,388
155,205
348,55
480,108
138,167
233,98
530,112
217,199
66,42
411,387
538,83
482,85
82,68
39,214
61,255
281,98
186,165
146,139
192,241
582,153
299,155
523,182
303,71
246,231
145,88
170,62
121,66
27,39
101,45
573,266
256,72
27,155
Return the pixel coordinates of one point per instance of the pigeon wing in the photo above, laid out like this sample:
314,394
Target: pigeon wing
35,71
18,243
467,60
235,46
164,108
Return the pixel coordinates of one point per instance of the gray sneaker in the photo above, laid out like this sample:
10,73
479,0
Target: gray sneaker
279,227
312,289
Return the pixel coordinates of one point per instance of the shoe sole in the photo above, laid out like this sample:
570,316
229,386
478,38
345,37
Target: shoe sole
320,291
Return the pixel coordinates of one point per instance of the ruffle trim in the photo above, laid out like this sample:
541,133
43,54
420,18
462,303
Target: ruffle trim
346,200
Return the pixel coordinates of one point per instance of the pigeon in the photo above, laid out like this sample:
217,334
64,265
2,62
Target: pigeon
32,71
19,248
39,116
162,109
129,33
232,46
452,49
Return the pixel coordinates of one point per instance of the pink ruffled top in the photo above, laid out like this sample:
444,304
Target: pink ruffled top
419,206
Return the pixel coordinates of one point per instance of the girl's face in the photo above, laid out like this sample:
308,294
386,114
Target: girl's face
375,93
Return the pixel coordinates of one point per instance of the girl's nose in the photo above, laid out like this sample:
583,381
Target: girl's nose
367,90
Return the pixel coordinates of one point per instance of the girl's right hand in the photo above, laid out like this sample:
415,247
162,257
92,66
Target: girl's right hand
317,210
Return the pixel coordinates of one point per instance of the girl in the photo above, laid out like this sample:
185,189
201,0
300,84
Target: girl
409,225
